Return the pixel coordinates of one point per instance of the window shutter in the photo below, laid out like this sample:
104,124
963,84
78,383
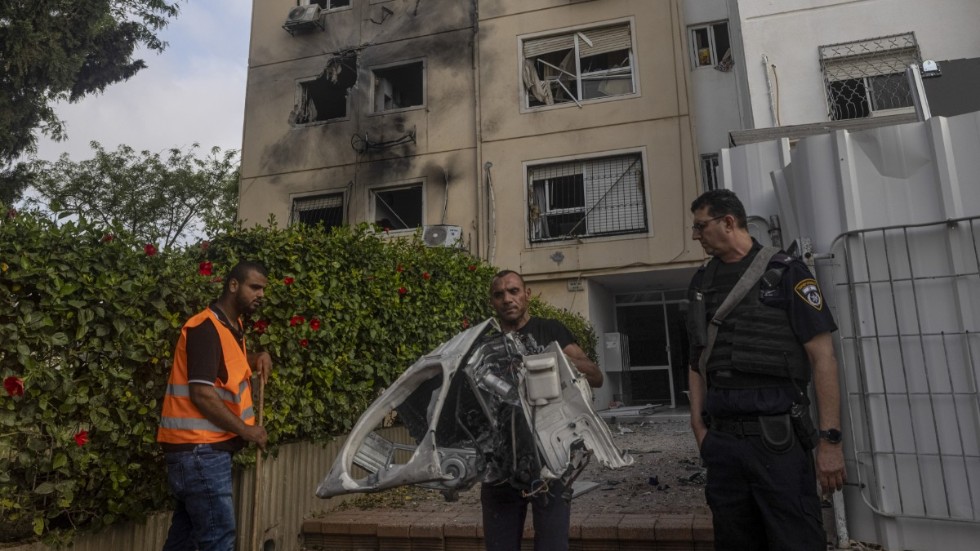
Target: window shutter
540,46
605,40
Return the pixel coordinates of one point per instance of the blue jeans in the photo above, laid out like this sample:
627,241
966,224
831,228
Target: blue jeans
504,511
204,518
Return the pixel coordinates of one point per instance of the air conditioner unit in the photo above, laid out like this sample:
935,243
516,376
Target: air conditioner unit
303,18
441,235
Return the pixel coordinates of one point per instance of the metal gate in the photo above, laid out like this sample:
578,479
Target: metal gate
908,300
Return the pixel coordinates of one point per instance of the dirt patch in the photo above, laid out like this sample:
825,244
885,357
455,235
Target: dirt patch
665,477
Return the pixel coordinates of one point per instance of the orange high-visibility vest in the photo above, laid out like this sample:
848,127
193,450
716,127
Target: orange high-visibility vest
181,422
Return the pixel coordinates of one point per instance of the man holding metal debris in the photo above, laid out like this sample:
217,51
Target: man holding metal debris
760,332
505,499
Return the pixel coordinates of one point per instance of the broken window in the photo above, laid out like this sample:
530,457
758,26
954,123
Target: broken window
710,46
324,98
867,77
330,4
399,87
326,210
398,208
578,66
593,197
709,172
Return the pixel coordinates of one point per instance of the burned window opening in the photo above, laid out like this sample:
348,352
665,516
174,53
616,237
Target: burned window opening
325,97
399,87
574,67
595,197
398,208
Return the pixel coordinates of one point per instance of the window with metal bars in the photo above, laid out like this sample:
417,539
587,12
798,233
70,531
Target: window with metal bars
398,208
591,197
578,66
867,77
326,210
709,172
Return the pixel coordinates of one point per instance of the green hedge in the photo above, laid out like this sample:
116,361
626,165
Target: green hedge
88,322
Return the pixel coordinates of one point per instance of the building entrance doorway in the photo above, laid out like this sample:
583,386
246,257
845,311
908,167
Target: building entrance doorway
657,342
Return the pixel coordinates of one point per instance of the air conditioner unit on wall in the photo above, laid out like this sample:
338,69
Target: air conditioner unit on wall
441,235
303,18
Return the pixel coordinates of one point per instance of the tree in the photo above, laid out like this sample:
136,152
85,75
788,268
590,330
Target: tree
59,50
159,199
13,181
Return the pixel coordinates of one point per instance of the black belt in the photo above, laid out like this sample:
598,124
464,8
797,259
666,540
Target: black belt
739,426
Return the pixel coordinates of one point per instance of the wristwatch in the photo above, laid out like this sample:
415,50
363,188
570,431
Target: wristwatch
831,435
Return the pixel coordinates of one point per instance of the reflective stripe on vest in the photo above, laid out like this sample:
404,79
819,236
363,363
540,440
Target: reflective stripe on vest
181,422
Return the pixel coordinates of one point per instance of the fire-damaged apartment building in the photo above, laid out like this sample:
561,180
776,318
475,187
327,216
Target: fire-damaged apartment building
552,137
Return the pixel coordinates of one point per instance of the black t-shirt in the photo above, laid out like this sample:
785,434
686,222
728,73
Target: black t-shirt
545,331
205,365
205,361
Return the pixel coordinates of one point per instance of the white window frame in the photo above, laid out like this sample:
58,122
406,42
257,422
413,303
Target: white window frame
374,85
535,236
578,36
407,184
296,201
714,56
329,5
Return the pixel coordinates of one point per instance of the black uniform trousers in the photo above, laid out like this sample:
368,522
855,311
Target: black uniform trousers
749,487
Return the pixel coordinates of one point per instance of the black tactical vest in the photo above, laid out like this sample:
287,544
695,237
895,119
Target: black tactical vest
755,346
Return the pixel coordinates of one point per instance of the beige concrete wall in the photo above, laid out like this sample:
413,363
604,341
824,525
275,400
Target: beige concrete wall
281,161
654,122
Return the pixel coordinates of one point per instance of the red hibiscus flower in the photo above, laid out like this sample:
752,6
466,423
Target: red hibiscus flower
14,386
466,323
296,320
402,290
149,249
260,326
204,268
107,238
81,438
304,342
204,245
400,268
315,324
471,267
287,281
426,276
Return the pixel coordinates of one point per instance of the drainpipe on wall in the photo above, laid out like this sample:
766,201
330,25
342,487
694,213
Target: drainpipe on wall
772,100
480,222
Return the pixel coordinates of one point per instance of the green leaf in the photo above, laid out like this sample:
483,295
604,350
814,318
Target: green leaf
60,460
59,339
44,488
38,525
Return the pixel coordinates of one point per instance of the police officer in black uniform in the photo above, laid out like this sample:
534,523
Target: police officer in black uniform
750,417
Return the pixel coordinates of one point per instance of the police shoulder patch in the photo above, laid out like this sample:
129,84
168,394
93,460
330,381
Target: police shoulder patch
808,290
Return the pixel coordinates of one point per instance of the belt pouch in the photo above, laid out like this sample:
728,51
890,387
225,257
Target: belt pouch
777,432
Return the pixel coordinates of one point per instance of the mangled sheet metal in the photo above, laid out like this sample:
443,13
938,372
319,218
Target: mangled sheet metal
484,405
